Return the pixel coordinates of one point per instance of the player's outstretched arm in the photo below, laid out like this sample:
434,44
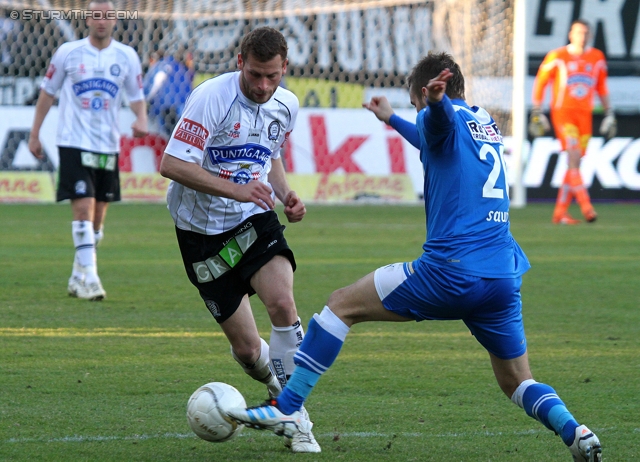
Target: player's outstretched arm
439,116
437,86
380,107
195,177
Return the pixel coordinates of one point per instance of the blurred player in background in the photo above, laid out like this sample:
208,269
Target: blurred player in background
577,71
224,158
167,86
92,74
471,267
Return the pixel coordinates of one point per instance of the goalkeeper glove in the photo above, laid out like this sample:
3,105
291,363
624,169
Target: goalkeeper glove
609,125
538,123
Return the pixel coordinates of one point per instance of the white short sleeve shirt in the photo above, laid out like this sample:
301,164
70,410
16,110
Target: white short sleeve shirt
233,138
91,84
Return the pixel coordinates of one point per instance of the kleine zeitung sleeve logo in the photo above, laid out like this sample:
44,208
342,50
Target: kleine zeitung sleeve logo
192,133
50,71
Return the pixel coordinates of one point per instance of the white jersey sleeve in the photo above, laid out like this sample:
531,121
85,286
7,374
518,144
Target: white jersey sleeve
292,105
56,73
232,138
92,83
133,81
200,118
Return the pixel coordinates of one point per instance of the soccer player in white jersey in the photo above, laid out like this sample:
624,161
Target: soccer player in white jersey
225,163
92,74
470,269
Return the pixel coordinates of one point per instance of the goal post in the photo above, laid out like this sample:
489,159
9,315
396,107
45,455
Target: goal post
518,107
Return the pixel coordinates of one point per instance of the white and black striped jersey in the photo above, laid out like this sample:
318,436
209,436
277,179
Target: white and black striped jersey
91,84
233,138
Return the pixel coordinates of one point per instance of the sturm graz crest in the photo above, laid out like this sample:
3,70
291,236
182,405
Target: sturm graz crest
242,176
274,130
96,104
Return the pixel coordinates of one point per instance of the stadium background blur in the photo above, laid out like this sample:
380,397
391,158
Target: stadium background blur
341,52
110,381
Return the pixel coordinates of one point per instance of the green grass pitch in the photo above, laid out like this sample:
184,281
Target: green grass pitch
109,381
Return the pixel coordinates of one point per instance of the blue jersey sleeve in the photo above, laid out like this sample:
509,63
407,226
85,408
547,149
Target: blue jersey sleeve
439,120
408,130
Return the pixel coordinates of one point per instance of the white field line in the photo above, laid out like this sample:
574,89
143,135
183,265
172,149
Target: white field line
91,439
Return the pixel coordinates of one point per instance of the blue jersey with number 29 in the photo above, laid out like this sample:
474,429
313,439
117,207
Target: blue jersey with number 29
466,192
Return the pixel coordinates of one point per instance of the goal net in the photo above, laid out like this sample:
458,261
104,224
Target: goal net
341,52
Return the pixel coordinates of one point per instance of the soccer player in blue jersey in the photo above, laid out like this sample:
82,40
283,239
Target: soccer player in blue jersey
167,87
470,268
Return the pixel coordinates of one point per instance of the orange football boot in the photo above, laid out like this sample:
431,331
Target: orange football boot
565,219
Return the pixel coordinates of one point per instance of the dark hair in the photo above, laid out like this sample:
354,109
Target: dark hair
580,21
264,43
429,67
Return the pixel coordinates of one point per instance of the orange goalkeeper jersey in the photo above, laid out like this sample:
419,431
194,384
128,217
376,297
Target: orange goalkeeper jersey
575,78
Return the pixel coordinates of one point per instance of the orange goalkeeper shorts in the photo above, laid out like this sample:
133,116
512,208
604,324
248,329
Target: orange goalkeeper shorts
573,128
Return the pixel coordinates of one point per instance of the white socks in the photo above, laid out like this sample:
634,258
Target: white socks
85,258
283,345
77,272
98,235
260,370
519,393
332,323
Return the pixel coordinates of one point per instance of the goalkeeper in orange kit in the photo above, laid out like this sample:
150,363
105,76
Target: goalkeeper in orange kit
577,71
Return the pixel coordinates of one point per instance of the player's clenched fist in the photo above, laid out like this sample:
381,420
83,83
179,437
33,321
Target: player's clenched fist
294,208
381,108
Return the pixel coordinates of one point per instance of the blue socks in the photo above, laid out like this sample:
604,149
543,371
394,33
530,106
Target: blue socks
323,342
541,402
321,345
298,388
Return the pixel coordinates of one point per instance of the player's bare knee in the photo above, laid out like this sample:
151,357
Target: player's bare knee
282,310
508,388
246,353
339,303
510,383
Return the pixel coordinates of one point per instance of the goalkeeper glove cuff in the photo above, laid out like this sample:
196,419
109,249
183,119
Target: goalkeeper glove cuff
609,125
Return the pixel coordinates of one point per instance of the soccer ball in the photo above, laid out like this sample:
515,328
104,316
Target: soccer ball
206,412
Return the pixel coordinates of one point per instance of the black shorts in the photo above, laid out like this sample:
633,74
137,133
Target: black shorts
88,174
221,265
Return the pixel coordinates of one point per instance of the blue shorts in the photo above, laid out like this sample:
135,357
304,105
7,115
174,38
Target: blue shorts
491,308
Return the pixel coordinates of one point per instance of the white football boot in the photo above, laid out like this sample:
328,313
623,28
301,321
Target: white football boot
303,442
268,417
92,291
76,279
586,446
74,286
